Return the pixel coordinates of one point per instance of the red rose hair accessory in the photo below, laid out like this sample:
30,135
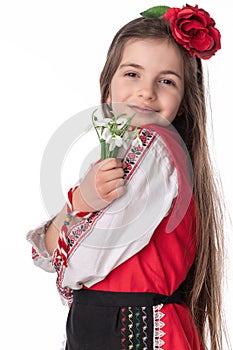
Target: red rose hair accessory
191,27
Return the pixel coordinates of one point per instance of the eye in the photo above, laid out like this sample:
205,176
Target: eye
131,75
167,82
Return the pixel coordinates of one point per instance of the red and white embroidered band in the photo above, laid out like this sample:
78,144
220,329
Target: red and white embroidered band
80,214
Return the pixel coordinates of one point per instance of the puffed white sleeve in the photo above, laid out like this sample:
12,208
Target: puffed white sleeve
40,255
36,238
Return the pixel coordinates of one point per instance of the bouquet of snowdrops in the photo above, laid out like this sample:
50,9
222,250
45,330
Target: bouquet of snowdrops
113,133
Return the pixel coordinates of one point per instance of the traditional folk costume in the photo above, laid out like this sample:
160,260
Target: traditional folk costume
121,268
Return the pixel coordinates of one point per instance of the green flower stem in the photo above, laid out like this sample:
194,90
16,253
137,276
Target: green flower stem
102,150
113,153
94,118
113,127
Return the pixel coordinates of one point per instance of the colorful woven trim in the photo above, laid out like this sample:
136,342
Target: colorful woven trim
70,210
158,325
62,250
134,328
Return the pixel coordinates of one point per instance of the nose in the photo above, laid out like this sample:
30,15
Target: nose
147,91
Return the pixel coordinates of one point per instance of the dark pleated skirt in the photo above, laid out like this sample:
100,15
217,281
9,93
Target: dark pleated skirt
113,321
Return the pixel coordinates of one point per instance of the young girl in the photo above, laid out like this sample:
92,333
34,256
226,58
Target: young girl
147,276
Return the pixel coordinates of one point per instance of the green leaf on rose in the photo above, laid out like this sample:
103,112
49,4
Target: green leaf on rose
156,11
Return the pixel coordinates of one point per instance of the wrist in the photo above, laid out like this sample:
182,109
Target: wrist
77,206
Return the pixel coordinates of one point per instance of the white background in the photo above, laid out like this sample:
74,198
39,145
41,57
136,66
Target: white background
51,56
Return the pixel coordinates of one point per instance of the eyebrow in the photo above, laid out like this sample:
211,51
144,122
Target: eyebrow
134,65
138,66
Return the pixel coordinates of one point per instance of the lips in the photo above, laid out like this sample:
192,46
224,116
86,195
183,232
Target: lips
142,109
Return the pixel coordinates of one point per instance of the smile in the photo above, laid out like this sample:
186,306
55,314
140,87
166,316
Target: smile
142,110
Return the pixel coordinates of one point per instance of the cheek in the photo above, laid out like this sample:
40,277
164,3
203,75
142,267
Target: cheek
115,91
173,107
118,91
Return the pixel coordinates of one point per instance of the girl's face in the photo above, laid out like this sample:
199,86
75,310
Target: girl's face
149,80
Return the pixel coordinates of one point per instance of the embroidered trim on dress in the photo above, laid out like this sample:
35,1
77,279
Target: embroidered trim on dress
158,342
134,327
130,327
123,328
144,328
35,254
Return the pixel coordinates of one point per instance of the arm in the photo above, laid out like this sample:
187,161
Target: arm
52,233
102,185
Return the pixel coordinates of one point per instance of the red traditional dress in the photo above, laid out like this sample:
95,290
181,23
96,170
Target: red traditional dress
131,257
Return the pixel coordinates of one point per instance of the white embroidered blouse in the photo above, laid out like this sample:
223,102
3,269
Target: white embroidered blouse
108,238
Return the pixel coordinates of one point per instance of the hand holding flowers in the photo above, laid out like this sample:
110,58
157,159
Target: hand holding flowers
104,182
114,133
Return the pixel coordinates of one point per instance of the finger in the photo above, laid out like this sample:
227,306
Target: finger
110,163
118,192
109,187
109,175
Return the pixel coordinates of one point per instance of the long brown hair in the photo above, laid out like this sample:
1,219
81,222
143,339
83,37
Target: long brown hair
203,283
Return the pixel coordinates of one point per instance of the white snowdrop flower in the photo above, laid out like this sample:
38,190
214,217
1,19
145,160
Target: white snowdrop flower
113,133
121,122
106,134
102,122
115,141
137,142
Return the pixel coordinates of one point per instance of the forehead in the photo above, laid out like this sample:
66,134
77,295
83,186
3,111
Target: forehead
153,53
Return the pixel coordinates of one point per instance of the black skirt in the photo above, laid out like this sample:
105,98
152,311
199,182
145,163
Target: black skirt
114,321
